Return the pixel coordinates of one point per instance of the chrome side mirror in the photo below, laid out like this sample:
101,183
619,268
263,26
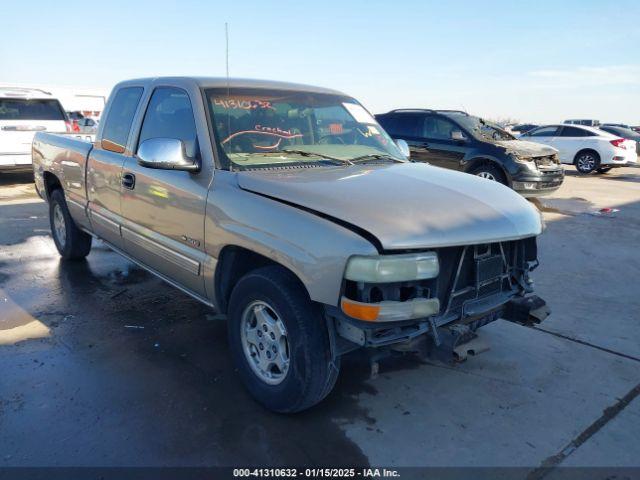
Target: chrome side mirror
457,135
165,154
404,148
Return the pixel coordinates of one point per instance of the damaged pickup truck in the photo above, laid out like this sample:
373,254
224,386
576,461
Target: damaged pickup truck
290,210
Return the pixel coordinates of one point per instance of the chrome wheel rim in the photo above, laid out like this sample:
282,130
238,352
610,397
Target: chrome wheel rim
59,226
586,162
487,175
264,342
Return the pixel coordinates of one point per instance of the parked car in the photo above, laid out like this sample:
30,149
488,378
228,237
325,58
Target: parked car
585,122
87,125
524,127
623,132
588,148
290,210
75,115
22,113
458,141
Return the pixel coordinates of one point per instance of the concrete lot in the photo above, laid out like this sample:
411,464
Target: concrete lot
79,387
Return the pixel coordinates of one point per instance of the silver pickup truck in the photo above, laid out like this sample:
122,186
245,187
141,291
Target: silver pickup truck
290,210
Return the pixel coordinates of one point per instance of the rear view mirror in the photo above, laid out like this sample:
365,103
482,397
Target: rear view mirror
165,154
404,148
457,135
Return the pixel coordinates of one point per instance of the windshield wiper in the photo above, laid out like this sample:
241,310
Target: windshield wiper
304,153
375,156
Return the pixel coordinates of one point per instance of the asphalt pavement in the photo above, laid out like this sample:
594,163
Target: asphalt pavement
102,364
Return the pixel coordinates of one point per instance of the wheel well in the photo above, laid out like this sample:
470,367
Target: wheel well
233,263
585,150
51,183
477,162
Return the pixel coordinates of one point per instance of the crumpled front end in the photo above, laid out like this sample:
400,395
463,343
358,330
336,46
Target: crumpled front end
475,285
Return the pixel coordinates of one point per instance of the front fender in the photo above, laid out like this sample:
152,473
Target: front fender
314,248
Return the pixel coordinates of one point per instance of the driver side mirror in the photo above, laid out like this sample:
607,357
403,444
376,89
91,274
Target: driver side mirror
457,135
404,148
165,154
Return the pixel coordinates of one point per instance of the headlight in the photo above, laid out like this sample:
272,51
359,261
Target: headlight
528,162
393,268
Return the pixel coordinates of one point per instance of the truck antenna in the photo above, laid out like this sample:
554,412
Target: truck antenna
226,34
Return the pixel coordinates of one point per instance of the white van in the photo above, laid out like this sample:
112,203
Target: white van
23,112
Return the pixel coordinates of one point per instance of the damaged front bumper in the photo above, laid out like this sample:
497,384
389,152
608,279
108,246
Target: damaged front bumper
437,337
476,285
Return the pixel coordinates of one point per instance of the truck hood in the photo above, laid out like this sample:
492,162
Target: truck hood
526,149
405,205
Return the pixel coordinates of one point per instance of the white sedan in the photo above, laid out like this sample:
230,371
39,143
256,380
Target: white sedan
587,148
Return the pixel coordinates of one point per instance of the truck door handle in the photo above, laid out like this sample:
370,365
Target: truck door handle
129,181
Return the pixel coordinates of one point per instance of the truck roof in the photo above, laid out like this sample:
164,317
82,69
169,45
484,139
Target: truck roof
222,82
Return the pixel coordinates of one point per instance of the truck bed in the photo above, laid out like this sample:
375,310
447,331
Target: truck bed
65,157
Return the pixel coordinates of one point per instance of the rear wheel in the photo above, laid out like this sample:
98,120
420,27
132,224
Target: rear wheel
587,161
279,341
490,172
71,242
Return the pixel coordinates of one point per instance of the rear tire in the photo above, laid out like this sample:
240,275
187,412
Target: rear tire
490,172
587,161
71,242
270,313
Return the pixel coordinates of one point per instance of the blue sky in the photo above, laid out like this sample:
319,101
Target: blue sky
540,61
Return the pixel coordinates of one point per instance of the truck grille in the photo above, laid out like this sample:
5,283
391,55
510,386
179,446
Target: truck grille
469,273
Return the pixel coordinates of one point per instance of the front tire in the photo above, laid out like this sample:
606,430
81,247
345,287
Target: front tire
489,172
71,242
587,161
279,341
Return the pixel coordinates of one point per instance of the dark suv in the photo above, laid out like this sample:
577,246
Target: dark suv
456,140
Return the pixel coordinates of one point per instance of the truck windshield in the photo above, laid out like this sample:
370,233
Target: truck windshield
30,109
258,128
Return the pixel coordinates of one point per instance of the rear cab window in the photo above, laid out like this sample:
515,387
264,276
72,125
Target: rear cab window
119,119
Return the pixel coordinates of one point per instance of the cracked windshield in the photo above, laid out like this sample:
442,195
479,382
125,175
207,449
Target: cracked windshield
271,128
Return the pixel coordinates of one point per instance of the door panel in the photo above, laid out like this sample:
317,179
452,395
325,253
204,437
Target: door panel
163,210
103,192
564,146
104,168
163,224
438,147
442,153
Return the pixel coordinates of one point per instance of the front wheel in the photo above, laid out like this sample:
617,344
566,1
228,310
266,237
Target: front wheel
71,242
279,341
489,172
